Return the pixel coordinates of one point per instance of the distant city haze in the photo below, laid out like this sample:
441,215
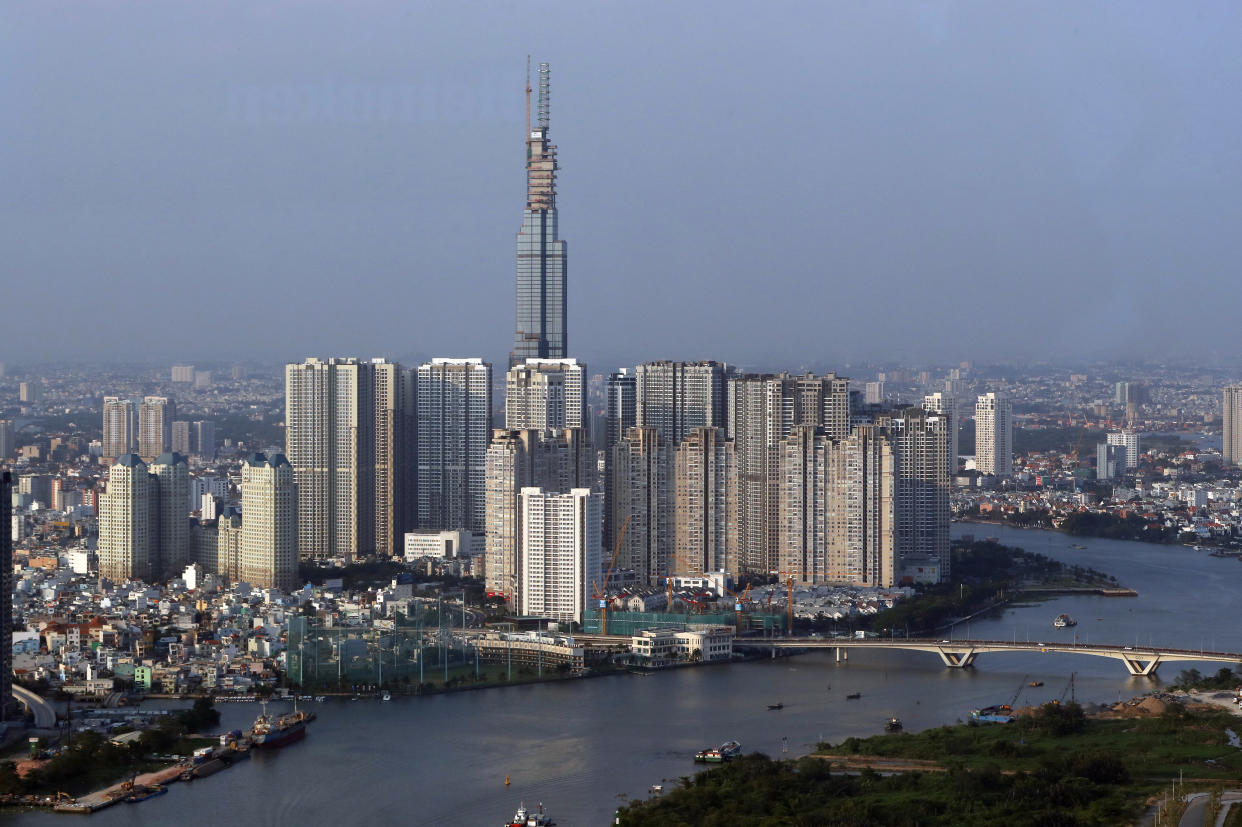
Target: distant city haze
770,184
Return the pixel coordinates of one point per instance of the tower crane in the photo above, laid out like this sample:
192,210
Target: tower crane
601,594
1068,690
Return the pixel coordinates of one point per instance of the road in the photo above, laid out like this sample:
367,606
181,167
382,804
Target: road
44,712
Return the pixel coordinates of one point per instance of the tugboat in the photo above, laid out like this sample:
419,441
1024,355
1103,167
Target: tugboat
1064,620
892,725
530,818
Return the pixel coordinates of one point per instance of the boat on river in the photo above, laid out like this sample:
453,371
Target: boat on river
892,725
530,818
993,715
776,706
853,696
718,755
269,733
1063,621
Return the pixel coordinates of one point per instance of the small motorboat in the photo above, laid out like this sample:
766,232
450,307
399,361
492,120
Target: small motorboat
1036,683
853,696
776,706
892,725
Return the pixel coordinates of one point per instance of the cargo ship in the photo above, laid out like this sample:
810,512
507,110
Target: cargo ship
530,818
270,734
718,755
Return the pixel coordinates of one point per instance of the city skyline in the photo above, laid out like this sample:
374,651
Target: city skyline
1057,178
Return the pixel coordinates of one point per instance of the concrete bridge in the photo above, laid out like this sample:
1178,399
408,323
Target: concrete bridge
959,654
44,712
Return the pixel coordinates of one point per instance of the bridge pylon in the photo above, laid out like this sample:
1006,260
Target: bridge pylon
956,658
1140,667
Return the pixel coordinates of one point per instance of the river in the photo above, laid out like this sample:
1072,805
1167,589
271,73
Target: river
579,746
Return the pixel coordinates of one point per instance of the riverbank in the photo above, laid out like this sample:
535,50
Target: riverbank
1054,765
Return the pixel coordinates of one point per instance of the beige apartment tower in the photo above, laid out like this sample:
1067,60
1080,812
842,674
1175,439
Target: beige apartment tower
155,419
268,544
120,428
554,461
330,442
994,435
1231,416
545,394
127,538
763,409
704,504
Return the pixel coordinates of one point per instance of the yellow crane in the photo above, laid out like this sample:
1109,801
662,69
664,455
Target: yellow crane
601,594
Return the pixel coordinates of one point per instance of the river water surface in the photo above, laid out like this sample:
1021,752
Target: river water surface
581,746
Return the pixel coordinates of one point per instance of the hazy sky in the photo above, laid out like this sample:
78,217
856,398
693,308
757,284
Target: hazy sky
758,182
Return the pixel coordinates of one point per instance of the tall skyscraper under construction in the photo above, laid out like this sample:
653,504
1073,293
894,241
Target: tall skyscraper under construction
540,324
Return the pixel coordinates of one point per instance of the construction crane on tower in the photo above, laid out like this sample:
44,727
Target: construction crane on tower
601,594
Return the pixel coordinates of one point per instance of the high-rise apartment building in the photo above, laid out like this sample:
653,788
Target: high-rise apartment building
31,392
203,438
1231,416
454,421
704,503
170,527
181,437
763,408
8,439
7,707
393,388
330,423
540,325
1128,439
620,406
861,509
155,419
555,461
546,394
127,538
642,496
1110,460
994,435
268,542
802,500
120,427
183,373
922,489
559,552
946,406
676,398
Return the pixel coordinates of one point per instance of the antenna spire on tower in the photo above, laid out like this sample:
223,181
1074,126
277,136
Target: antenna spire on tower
528,96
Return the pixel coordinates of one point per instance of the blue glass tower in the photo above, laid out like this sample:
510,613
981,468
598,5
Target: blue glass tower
540,325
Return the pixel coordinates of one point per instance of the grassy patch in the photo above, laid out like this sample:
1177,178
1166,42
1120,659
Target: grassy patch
1056,767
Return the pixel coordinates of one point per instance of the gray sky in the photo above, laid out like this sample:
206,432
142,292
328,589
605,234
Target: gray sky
758,182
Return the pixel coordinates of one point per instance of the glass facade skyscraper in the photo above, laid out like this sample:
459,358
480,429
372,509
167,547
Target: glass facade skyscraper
540,323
